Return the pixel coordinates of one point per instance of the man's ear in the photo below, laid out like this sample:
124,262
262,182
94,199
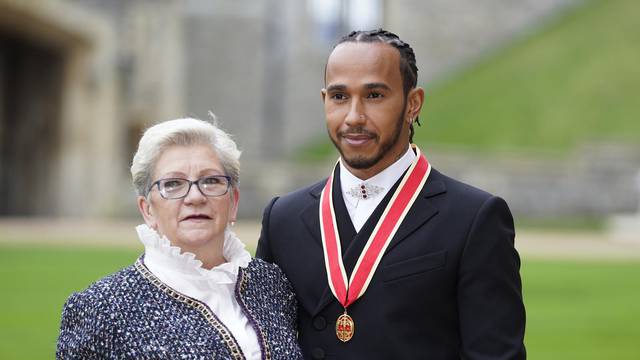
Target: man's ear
144,206
323,93
415,100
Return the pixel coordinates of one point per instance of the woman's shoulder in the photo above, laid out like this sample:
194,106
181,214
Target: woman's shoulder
266,275
96,309
108,287
267,286
260,267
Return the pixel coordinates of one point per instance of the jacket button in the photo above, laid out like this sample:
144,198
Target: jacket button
319,323
317,353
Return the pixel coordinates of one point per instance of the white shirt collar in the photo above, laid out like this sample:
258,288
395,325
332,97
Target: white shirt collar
360,210
161,255
384,179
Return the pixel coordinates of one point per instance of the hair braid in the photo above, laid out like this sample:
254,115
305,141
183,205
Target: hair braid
408,67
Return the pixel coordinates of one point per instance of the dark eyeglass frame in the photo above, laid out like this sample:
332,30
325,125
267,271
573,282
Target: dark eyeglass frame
197,182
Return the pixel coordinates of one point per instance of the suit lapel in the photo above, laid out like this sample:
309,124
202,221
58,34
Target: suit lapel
310,216
421,211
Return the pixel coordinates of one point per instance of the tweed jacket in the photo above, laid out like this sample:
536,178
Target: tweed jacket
133,315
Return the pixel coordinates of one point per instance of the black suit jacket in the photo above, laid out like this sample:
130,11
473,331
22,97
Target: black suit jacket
448,285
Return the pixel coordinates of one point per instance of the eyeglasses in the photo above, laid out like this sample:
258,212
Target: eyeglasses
178,188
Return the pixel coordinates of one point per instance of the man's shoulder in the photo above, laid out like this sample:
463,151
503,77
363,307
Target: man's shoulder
310,190
301,196
458,189
462,202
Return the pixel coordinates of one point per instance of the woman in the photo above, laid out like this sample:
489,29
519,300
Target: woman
195,292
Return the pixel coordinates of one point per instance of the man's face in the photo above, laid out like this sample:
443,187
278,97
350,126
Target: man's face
365,106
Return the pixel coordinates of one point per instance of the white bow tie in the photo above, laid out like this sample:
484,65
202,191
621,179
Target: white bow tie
365,191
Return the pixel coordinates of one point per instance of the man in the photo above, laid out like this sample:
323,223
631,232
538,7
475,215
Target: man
389,258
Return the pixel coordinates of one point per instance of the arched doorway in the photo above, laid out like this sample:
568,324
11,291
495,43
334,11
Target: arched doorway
30,101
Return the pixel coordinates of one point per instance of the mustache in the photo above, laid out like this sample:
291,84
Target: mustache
358,130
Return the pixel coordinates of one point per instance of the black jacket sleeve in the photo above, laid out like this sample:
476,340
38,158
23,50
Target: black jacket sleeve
263,250
492,314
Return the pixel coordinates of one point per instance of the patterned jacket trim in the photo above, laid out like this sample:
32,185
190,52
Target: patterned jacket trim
241,286
225,334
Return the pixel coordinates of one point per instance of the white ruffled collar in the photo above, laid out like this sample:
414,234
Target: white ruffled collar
167,259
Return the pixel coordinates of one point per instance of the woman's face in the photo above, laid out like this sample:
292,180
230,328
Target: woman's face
195,221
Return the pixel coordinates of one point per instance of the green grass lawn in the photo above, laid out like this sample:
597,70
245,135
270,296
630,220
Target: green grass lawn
36,281
582,310
575,310
574,80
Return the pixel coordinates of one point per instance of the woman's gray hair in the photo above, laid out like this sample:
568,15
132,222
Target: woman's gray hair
182,132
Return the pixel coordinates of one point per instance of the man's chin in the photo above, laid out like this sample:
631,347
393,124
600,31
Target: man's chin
359,162
362,158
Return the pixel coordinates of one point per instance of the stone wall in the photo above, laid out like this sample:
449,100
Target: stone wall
119,69
73,174
596,180
259,67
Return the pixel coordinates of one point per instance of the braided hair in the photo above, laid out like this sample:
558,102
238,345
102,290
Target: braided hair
408,67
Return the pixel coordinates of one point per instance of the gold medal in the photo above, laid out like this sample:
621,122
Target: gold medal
345,327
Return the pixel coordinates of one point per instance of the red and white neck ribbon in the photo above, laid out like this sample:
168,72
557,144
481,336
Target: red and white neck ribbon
349,291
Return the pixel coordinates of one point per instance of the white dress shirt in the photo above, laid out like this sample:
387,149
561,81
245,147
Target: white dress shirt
216,287
361,208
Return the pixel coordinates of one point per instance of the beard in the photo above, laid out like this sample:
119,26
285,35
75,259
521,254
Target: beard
366,161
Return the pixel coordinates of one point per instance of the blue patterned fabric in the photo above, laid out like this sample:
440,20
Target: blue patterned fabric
132,315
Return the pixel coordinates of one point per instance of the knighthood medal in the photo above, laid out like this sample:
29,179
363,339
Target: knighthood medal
345,327
347,291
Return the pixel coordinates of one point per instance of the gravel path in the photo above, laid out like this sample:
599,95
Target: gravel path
531,244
